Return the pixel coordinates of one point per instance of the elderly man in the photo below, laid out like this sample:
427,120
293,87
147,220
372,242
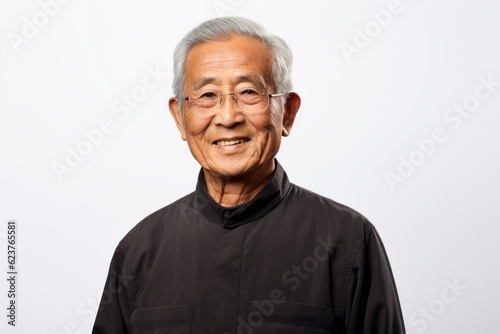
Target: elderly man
247,251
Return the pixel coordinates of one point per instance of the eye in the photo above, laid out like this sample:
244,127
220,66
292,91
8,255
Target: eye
208,95
249,92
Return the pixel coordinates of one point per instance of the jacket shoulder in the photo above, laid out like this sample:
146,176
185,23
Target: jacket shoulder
153,226
328,212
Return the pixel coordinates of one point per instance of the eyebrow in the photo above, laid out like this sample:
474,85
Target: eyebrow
202,82
256,80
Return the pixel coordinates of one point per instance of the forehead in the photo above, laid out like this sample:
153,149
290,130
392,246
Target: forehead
227,62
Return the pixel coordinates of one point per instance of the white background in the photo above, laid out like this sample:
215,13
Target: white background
358,118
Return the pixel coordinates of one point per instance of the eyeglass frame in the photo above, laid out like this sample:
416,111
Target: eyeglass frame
235,99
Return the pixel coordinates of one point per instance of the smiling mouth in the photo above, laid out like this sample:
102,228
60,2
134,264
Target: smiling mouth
231,142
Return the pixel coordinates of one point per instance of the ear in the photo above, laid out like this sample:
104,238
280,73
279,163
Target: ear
173,105
292,106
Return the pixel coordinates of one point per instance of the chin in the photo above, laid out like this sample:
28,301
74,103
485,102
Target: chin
228,171
231,167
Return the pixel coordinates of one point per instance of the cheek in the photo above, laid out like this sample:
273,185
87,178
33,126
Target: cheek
196,126
269,123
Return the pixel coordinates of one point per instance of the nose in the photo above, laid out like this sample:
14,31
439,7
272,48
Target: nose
229,115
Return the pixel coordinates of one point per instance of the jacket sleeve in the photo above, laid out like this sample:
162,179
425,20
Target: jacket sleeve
372,302
113,316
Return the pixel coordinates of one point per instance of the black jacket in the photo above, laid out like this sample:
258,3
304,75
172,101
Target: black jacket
289,261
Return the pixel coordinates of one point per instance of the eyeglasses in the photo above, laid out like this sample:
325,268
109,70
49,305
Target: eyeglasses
246,99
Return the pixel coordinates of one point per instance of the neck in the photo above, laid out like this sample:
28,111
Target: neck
231,191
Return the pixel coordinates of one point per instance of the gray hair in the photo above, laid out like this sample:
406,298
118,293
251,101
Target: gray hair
223,28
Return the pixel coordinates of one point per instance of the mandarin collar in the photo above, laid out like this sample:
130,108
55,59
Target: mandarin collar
230,217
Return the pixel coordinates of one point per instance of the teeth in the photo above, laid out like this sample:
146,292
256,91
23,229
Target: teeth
229,142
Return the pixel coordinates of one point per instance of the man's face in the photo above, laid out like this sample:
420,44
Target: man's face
229,141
